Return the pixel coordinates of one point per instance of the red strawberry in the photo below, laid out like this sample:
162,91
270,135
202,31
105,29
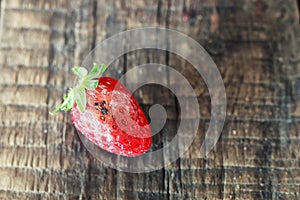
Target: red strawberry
104,111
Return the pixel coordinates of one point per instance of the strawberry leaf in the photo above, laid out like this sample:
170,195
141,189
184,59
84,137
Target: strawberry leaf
103,68
80,99
71,101
77,95
95,68
91,84
56,110
80,71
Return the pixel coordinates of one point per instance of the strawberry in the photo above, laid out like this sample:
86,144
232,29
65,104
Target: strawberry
105,112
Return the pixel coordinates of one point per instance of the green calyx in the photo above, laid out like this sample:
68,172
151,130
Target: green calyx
77,95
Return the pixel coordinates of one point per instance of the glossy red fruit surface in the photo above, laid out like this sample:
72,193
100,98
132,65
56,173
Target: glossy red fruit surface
113,120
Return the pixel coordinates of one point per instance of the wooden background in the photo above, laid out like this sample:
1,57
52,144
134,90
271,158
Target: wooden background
256,46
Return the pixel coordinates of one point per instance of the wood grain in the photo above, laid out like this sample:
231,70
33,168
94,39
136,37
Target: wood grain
255,45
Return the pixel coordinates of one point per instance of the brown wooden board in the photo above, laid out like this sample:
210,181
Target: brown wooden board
256,46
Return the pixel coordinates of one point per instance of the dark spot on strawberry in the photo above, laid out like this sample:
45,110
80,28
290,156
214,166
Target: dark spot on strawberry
103,103
96,103
104,111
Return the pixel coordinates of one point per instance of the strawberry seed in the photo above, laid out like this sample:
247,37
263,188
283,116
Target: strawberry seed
123,122
121,110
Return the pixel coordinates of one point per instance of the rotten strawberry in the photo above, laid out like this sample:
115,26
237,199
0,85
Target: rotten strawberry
105,112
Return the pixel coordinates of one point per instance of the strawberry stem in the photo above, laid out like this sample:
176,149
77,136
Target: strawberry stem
77,95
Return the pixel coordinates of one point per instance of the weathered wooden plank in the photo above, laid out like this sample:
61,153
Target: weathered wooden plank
256,47
22,95
23,18
14,114
25,38
24,57
45,5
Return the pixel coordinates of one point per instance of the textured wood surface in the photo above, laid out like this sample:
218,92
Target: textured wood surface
256,46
